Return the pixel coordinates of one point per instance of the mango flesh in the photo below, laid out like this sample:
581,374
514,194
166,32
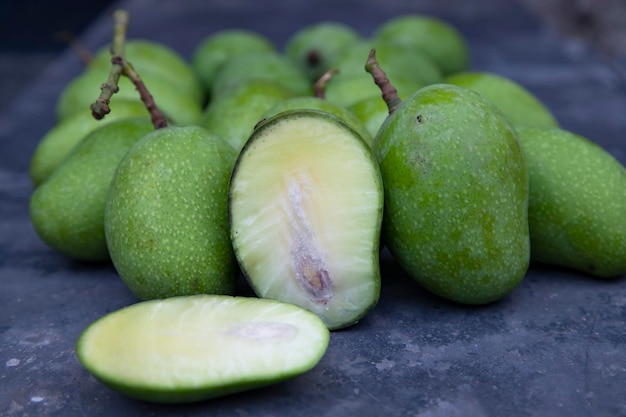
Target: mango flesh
456,194
517,103
67,210
166,219
305,206
194,348
577,203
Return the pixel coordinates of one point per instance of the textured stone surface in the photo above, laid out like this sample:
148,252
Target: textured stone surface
555,347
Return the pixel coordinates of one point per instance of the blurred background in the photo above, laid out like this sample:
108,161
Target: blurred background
31,36
35,32
601,23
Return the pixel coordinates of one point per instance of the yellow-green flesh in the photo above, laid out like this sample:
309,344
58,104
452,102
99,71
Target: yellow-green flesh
191,348
305,207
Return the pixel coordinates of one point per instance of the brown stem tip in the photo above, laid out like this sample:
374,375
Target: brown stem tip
389,92
100,107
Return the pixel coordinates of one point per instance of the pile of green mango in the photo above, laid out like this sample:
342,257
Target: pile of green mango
296,184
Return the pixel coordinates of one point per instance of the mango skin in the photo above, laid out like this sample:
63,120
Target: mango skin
325,40
166,218
82,91
400,61
372,112
456,194
158,60
67,211
517,103
233,116
437,38
217,48
577,203
316,103
263,65
59,141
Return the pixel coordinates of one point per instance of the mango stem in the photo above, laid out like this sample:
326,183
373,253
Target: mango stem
119,67
100,107
389,92
157,117
319,87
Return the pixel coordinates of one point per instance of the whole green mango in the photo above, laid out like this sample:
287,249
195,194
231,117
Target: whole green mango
166,217
577,203
456,194
67,210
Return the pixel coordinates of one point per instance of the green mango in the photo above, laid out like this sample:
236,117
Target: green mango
407,69
399,60
263,65
348,89
84,89
233,116
314,47
371,111
577,203
214,50
435,37
155,59
517,103
316,103
59,141
67,210
166,217
456,194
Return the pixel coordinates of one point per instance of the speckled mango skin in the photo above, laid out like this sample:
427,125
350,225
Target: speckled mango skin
67,210
518,104
456,194
577,203
59,141
233,116
166,219
435,37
